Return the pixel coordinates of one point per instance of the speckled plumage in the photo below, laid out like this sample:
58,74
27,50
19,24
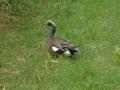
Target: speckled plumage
59,45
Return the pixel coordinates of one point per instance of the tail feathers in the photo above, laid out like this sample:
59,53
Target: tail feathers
72,51
66,51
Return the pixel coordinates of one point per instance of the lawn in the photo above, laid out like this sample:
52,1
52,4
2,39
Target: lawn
94,25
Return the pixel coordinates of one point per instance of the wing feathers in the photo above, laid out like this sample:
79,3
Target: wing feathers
63,46
55,49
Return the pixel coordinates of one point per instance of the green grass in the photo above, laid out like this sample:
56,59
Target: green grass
25,63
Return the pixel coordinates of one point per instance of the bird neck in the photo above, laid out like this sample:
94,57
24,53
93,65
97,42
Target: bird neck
51,33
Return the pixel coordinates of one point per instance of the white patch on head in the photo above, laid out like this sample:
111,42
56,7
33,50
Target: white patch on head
67,53
50,21
55,49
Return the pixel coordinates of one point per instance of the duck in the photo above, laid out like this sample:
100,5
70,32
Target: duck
58,45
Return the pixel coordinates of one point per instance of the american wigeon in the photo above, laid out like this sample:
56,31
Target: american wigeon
59,45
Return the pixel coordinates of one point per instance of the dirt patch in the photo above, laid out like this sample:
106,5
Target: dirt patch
7,18
6,14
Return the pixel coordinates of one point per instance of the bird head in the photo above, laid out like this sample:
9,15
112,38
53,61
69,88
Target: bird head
50,25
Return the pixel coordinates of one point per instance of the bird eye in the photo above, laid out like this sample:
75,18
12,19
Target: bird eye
49,24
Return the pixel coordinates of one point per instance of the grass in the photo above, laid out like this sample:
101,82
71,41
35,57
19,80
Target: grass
25,63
